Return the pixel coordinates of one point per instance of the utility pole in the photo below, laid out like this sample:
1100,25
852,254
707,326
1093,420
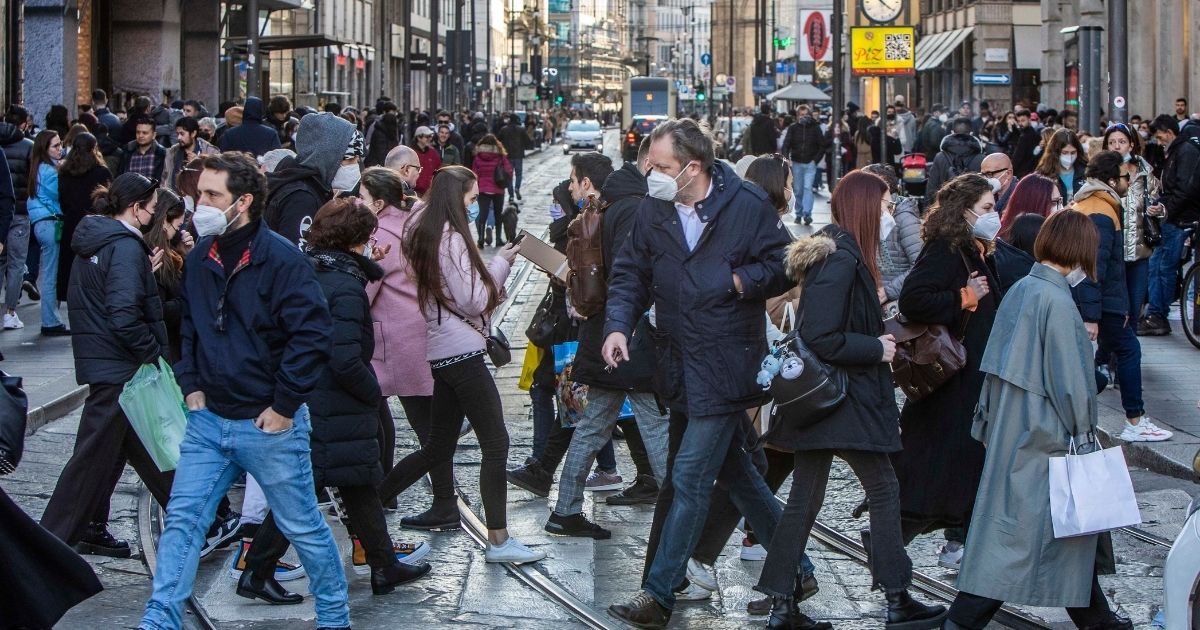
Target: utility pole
435,11
406,69
728,94
252,75
839,97
1118,60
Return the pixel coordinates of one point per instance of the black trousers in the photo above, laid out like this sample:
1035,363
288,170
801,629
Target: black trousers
363,518
418,410
637,447
975,612
890,565
104,442
723,515
465,387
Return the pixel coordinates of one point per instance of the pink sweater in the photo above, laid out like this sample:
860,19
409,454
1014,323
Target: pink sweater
449,336
400,340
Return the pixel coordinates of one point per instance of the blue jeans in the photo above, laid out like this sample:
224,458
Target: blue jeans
214,452
544,417
1137,280
803,174
48,272
514,186
1118,337
1164,269
707,444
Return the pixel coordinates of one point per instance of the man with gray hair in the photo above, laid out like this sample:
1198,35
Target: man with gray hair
407,164
706,250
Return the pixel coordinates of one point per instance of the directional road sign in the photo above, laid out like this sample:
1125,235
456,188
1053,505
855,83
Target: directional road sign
981,78
706,59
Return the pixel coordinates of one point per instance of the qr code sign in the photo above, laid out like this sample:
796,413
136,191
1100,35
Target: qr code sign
897,46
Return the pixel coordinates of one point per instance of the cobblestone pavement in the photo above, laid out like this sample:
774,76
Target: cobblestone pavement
463,590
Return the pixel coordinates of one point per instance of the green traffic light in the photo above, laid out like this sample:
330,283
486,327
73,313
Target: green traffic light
700,96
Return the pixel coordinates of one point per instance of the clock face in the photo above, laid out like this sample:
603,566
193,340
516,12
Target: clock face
882,10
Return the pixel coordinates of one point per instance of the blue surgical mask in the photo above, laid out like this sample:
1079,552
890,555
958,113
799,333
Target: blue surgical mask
473,211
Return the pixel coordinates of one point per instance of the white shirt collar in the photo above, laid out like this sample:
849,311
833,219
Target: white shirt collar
691,210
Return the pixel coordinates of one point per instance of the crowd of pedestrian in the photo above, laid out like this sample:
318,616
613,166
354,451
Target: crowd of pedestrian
296,269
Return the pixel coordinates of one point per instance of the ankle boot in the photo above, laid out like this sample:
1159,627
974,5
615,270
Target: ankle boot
906,613
785,615
386,580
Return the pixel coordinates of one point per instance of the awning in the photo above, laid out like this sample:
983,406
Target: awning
942,49
279,5
269,43
798,92
927,44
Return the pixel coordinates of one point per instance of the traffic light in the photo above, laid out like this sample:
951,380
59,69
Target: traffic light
700,95
558,100
781,43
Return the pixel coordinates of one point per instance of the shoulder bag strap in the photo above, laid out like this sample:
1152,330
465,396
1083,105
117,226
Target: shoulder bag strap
965,316
468,322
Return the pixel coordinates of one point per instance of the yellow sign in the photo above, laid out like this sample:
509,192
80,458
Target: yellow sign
882,50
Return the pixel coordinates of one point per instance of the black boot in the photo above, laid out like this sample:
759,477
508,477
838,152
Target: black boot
906,613
97,541
386,580
267,590
440,517
786,616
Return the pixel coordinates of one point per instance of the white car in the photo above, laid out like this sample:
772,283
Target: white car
1181,576
583,135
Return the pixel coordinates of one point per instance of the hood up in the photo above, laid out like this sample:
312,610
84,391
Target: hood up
252,110
321,141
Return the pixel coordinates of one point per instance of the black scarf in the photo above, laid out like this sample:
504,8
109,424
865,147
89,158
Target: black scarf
354,264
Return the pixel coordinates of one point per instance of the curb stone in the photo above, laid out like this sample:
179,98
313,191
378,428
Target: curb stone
42,415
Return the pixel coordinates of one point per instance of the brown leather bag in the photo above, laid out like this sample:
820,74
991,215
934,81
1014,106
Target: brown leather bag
587,284
927,355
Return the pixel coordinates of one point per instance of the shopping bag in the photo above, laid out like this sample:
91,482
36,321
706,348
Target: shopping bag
533,357
564,354
1091,493
154,405
571,398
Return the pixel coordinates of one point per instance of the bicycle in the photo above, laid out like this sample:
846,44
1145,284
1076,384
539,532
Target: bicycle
1189,289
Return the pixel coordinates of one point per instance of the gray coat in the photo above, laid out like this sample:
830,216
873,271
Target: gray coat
899,252
1038,392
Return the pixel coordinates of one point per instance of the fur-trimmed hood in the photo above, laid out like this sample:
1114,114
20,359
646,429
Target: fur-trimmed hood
807,252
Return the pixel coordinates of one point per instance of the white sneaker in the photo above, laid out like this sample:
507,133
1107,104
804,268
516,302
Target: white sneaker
1144,431
951,555
753,552
693,593
512,551
699,575
12,322
600,481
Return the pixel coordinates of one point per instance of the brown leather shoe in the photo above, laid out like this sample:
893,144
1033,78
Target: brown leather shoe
643,611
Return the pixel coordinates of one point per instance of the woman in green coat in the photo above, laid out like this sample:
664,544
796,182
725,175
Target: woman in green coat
1039,392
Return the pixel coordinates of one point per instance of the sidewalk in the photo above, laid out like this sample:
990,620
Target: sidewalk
45,363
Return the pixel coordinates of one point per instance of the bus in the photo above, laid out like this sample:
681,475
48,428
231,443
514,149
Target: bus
647,96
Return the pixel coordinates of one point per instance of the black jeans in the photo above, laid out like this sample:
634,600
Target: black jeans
890,565
462,387
723,515
363,518
489,204
419,410
637,448
104,442
975,612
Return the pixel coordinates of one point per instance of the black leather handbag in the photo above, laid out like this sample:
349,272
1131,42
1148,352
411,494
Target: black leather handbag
496,343
13,409
541,328
805,389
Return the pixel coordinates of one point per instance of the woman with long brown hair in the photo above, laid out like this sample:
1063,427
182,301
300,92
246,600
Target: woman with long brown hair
844,328
169,245
1064,161
457,294
45,215
952,284
82,171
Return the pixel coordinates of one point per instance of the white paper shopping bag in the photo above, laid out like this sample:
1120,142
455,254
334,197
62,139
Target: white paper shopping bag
1091,493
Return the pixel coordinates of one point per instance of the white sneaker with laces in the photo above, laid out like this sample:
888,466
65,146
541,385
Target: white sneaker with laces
951,555
753,552
1144,431
699,575
12,322
693,593
599,481
512,551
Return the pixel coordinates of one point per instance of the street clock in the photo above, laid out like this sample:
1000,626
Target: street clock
882,11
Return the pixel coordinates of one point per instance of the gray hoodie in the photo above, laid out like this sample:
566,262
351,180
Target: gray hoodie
321,140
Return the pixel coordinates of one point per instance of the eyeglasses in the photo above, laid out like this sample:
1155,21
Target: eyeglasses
416,166
1126,177
994,173
1056,204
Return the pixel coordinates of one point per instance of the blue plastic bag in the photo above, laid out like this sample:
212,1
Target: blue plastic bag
564,354
154,405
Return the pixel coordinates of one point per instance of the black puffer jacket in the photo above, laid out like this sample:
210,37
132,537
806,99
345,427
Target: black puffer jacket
112,303
16,150
960,153
804,141
345,403
623,191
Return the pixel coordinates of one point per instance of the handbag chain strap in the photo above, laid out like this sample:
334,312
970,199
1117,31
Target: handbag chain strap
468,322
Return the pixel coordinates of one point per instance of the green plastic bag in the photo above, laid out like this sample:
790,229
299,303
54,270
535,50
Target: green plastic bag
154,405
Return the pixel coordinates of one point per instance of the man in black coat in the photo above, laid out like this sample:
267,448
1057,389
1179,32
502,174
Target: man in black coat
763,136
706,250
252,136
16,149
144,155
1179,203
805,145
1025,141
515,142
301,185
961,152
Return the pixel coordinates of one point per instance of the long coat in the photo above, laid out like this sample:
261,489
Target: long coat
1039,392
842,328
709,339
400,340
75,198
940,465
345,402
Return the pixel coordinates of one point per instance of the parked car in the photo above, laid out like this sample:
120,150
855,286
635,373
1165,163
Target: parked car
1181,575
583,135
641,127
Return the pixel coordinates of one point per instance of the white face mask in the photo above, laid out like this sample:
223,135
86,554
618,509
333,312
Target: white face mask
366,251
791,204
986,226
1067,161
663,186
995,184
887,223
943,117
1076,276
211,221
346,178
189,204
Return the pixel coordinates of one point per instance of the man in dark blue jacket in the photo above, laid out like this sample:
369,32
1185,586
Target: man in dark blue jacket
706,250
252,136
256,332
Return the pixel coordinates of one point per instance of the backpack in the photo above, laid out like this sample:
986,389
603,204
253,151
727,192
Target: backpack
499,175
587,285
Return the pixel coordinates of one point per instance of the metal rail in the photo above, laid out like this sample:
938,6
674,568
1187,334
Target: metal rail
1147,537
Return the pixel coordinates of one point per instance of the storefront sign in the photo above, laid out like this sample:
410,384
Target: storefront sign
995,55
882,51
815,40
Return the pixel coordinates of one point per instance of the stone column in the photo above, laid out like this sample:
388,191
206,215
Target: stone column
50,62
993,29
1053,73
148,32
1193,78
200,42
1140,52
